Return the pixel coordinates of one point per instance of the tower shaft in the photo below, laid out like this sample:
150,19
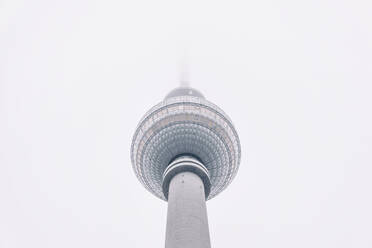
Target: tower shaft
187,221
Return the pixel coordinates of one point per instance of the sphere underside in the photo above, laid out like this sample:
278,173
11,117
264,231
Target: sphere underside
185,125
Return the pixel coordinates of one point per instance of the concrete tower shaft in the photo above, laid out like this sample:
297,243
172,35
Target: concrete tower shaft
187,222
185,181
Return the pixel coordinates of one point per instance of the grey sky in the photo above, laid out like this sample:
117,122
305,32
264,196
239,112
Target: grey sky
294,76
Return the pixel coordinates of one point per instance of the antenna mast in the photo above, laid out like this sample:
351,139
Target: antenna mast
184,69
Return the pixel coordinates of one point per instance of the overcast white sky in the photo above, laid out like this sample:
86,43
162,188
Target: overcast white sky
77,75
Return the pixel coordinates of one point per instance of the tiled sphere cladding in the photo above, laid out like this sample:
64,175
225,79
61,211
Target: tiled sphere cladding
186,124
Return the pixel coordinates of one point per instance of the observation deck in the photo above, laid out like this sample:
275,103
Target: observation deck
185,123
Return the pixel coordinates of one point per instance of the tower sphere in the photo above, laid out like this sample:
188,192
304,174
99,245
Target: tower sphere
185,123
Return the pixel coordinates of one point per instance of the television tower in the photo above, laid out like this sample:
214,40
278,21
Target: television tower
185,150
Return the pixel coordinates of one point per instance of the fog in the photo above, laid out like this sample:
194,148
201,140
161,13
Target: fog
77,76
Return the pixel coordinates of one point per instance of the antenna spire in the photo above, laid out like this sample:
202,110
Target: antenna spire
184,70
